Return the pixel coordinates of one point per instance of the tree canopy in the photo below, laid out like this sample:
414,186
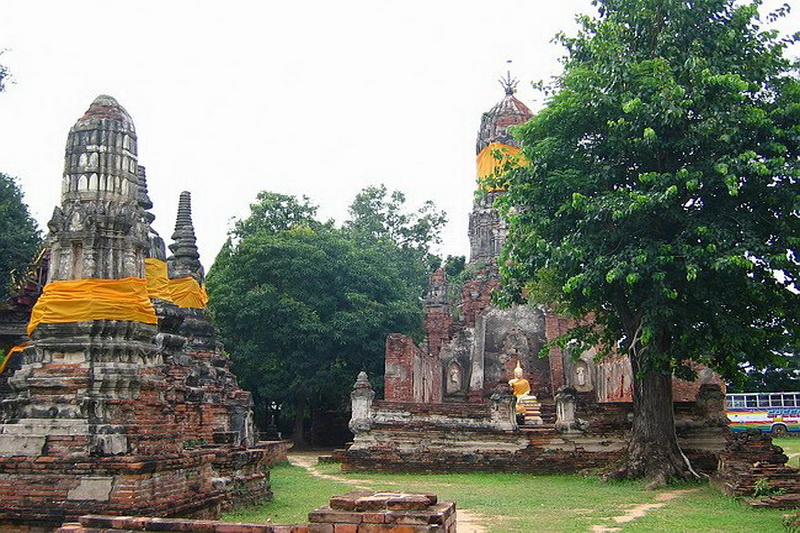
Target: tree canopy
5,75
661,197
19,233
380,219
378,216
303,306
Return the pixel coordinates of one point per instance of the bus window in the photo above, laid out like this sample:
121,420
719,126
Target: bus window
750,401
776,400
763,400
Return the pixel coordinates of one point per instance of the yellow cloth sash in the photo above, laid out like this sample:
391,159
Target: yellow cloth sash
93,299
10,354
184,292
490,166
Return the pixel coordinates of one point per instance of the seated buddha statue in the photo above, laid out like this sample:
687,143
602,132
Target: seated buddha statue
528,407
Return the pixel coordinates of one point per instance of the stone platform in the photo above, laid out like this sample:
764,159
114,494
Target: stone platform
198,483
453,437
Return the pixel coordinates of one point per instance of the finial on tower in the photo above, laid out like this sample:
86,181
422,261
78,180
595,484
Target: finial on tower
509,84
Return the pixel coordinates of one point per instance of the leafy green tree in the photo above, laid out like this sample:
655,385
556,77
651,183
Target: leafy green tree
380,220
782,375
304,306
377,216
454,265
19,234
274,212
662,197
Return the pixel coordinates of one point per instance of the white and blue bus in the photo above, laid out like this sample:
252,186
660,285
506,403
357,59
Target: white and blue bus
773,412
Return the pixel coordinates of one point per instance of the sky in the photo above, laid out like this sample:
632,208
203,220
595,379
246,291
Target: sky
315,98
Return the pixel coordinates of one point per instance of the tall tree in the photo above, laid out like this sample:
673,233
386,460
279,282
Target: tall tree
662,196
303,306
380,219
273,212
779,376
376,215
19,234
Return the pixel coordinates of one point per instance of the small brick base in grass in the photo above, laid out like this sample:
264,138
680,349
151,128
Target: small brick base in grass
358,511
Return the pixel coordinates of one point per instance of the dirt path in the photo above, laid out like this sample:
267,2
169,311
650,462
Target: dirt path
468,522
638,511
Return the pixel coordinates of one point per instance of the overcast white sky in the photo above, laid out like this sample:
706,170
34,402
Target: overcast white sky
316,98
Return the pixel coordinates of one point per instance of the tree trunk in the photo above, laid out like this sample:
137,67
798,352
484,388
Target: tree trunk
653,451
299,436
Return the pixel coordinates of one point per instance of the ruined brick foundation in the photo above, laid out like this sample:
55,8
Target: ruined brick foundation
354,512
414,437
753,468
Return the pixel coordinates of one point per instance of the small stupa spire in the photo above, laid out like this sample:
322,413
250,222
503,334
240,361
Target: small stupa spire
185,259
142,197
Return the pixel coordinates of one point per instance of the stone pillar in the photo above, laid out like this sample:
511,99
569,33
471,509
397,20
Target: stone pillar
156,248
502,411
399,361
556,326
565,410
477,360
438,320
361,402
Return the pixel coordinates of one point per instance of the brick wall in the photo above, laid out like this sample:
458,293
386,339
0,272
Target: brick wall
555,326
438,328
750,456
399,368
410,437
476,296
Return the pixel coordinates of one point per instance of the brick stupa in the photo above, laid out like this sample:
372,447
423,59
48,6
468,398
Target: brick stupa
135,415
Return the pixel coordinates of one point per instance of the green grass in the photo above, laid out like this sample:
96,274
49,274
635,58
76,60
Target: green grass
296,493
791,447
524,502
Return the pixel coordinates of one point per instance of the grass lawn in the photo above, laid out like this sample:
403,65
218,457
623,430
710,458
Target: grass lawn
524,502
791,447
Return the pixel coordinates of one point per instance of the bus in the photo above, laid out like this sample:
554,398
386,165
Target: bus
774,412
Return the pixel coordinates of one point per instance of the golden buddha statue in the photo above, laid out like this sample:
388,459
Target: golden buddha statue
528,408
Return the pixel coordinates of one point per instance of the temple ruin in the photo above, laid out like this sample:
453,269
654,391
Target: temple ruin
123,401
448,402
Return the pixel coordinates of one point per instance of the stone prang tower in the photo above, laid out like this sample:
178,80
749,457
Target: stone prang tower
87,368
96,232
124,403
486,230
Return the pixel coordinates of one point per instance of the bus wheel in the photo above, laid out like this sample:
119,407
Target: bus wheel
779,430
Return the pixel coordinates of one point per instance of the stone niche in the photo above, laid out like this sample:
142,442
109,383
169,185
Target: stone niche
511,335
